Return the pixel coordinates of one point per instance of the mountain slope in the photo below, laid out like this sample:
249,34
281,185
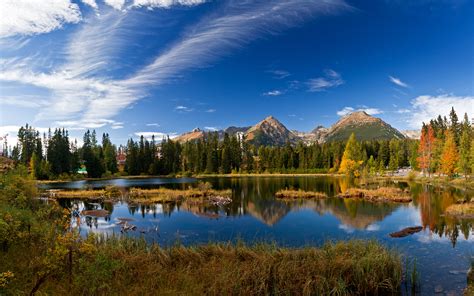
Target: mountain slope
195,134
270,132
364,126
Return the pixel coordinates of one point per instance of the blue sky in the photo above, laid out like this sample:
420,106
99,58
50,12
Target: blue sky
132,67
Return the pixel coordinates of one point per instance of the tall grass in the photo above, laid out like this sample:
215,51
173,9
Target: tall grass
299,194
381,194
132,267
166,195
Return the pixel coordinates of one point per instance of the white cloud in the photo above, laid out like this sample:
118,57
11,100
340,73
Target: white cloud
167,3
273,93
117,4
211,128
331,79
81,90
211,110
397,81
425,108
91,3
25,101
153,124
158,135
117,126
87,124
240,24
403,111
183,109
348,110
29,17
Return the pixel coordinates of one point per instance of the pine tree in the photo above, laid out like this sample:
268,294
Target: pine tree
450,155
455,127
465,151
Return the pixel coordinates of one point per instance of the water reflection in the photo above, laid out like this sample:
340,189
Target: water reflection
254,197
443,250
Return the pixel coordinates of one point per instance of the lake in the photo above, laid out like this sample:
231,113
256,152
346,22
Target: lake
443,250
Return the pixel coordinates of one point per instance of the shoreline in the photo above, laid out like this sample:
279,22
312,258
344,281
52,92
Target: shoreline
459,183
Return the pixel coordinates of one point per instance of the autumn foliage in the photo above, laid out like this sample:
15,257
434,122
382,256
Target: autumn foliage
450,156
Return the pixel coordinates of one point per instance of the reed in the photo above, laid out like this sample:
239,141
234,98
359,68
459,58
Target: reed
299,194
131,267
381,194
462,210
172,195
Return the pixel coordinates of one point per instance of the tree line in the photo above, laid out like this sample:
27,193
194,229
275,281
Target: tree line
446,147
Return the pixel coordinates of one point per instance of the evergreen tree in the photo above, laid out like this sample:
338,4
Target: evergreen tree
455,127
465,150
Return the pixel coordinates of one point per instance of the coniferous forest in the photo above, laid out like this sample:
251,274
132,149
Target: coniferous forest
445,148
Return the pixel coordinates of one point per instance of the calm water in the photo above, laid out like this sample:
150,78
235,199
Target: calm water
443,250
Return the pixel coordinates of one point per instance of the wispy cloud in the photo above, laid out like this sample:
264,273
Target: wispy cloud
273,93
167,3
25,101
279,74
397,81
211,128
425,108
403,111
330,79
153,124
23,17
240,24
183,109
347,110
82,89
210,110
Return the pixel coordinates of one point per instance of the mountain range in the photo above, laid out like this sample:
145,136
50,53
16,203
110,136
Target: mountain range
272,132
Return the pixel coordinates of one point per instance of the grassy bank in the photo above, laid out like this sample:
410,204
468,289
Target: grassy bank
289,194
109,192
463,211
203,192
40,254
382,194
131,267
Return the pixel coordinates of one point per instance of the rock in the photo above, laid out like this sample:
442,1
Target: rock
406,231
95,213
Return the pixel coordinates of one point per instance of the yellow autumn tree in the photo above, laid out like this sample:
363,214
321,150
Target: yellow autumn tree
450,156
351,159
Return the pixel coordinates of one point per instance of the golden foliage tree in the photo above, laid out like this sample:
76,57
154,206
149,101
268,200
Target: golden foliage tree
450,156
351,159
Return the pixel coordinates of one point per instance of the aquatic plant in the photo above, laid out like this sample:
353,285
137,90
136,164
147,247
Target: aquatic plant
299,194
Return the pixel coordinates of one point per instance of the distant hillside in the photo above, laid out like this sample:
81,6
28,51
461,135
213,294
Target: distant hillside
270,132
412,134
365,128
190,136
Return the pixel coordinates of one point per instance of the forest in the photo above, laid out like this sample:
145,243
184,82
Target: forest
445,148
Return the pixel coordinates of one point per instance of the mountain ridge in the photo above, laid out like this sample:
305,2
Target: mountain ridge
270,131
